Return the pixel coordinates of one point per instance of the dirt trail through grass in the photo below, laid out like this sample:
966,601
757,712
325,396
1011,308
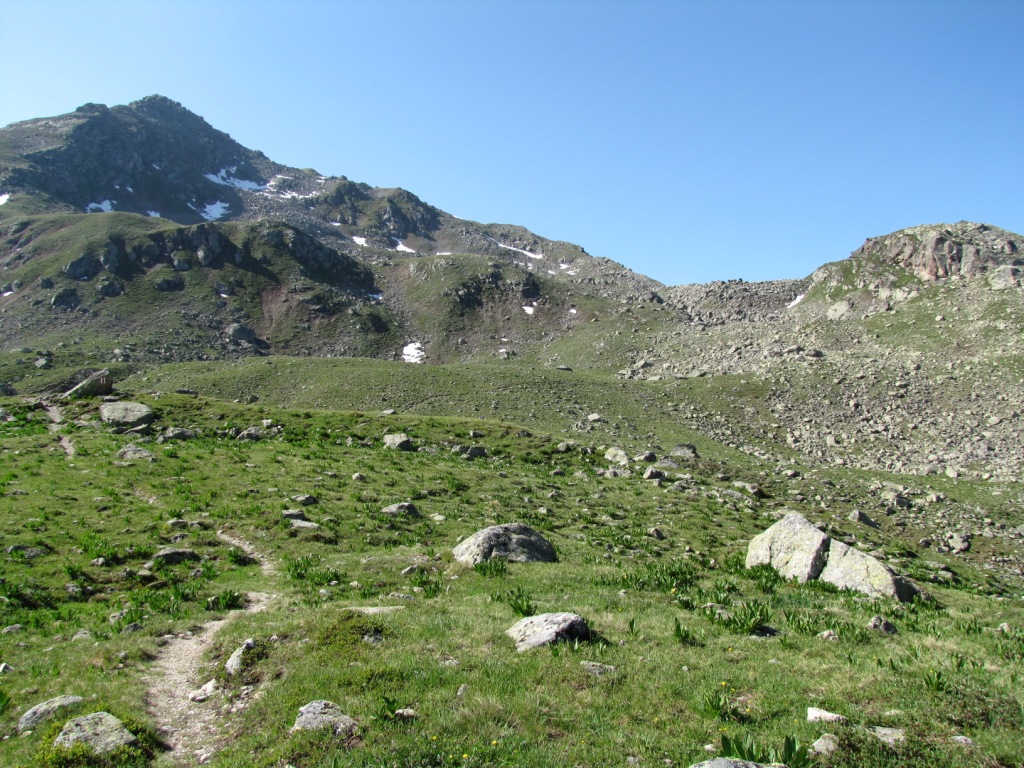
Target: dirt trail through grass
192,728
56,419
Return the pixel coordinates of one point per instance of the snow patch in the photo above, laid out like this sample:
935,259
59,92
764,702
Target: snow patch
376,296
400,246
563,266
572,311
335,223
517,250
796,301
214,211
5,197
413,352
5,294
528,310
225,178
439,253
103,207
359,240
130,190
156,166
154,214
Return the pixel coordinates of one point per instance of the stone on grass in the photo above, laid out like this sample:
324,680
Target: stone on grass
547,628
399,441
815,715
598,670
170,556
101,732
132,451
825,745
729,762
236,662
514,542
401,509
126,414
324,714
617,456
42,712
881,624
891,736
848,568
793,547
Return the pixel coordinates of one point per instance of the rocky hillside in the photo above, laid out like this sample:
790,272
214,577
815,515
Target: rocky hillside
140,234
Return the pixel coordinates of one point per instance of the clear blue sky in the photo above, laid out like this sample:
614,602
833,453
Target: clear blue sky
691,141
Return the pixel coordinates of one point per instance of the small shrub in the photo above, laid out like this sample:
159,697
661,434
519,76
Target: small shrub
494,568
228,600
793,754
518,600
683,635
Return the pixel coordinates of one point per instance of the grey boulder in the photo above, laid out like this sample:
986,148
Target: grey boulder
42,712
848,568
324,714
793,547
515,542
126,414
101,732
547,628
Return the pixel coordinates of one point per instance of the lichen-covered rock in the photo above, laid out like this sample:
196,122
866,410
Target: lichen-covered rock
236,662
398,442
100,731
793,547
515,542
42,712
547,628
324,714
126,414
848,568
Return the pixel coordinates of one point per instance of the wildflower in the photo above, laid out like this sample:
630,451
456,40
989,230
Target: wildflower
494,743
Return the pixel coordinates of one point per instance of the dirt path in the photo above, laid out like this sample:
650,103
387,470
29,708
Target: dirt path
192,728
56,419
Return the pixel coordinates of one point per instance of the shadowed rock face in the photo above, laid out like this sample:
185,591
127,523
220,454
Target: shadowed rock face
515,542
934,252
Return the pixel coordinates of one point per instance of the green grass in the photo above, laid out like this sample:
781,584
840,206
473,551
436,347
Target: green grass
947,672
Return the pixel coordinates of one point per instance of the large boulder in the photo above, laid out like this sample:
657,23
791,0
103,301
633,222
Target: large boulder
42,712
798,550
126,414
101,732
399,441
515,542
848,568
547,628
324,714
793,547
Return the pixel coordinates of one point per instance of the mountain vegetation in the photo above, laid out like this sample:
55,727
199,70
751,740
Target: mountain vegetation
241,541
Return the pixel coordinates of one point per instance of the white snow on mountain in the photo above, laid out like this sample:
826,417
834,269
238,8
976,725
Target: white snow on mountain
214,211
413,352
225,178
796,301
105,206
154,214
400,246
517,250
359,240
5,197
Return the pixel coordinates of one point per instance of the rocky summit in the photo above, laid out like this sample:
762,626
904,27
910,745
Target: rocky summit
299,471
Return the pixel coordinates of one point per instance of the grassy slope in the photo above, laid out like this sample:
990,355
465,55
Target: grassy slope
945,674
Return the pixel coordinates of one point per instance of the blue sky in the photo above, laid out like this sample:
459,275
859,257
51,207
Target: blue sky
691,141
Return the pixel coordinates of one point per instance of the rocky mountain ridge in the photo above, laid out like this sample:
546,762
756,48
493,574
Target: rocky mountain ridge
142,235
